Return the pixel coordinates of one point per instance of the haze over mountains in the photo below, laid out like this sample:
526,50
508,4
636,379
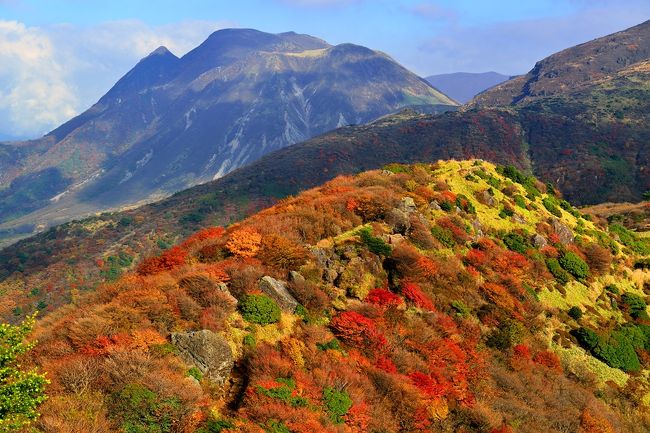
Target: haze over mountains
175,122
463,86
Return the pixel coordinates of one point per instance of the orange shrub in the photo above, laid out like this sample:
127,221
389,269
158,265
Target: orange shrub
170,259
244,242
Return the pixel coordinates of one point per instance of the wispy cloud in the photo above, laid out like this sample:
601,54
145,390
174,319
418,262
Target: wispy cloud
433,11
50,74
514,46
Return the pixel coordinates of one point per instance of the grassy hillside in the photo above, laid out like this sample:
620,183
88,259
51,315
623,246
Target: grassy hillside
453,297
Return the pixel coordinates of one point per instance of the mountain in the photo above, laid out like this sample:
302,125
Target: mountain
593,148
455,296
172,122
463,86
573,69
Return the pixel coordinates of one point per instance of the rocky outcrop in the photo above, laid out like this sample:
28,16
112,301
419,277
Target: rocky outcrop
207,351
277,290
565,233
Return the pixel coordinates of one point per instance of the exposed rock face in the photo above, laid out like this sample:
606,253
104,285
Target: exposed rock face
408,205
398,221
539,241
208,351
564,232
278,291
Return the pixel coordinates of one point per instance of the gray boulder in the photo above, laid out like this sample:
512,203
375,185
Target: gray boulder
207,351
398,221
408,205
539,241
278,291
564,232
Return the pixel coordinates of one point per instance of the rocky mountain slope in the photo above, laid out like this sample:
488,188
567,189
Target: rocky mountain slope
572,69
175,122
463,86
453,297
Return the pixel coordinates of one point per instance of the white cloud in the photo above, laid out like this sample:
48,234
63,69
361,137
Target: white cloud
34,92
49,74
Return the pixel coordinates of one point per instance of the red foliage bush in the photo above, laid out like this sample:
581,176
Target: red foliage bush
203,235
548,359
386,364
170,259
521,351
413,293
383,297
429,386
357,331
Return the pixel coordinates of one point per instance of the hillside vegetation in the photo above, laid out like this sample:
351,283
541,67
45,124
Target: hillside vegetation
453,297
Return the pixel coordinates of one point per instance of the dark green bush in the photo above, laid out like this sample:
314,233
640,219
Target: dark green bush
635,304
520,201
516,242
550,203
573,264
575,312
259,309
612,288
558,272
617,350
333,344
338,403
375,245
507,335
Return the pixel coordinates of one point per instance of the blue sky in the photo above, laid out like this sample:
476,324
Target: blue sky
57,57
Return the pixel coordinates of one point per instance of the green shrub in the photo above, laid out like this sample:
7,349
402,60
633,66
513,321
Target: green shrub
375,245
249,340
337,403
506,212
462,310
612,288
575,312
443,235
635,304
631,239
573,264
259,309
516,242
195,373
520,201
557,271
617,350
333,344
143,411
550,203
274,426
507,335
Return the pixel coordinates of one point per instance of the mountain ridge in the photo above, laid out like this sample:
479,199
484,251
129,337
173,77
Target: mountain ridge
172,122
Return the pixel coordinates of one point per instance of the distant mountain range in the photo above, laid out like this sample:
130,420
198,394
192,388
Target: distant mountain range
463,86
174,122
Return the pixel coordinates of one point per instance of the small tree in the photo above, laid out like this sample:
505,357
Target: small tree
21,391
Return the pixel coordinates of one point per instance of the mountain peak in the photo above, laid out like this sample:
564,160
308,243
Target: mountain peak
161,51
